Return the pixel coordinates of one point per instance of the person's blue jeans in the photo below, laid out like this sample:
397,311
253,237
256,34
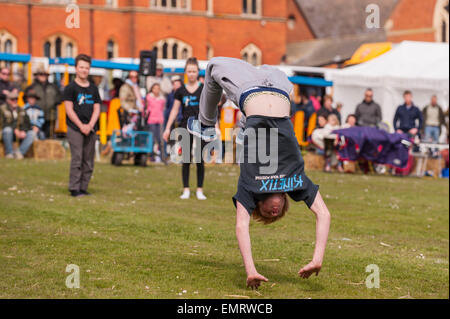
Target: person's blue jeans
8,138
432,133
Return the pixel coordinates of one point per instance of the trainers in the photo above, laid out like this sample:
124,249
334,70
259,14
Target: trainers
18,155
10,156
196,128
76,194
185,195
240,137
200,195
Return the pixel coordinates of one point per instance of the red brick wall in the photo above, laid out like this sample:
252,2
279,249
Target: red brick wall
301,31
227,35
410,15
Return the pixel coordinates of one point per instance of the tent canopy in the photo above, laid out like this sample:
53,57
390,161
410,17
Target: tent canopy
422,67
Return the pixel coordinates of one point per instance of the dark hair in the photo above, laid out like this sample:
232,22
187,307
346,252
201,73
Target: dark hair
83,57
407,92
192,61
349,116
369,89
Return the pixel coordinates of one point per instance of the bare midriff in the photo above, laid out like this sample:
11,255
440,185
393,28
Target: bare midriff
267,105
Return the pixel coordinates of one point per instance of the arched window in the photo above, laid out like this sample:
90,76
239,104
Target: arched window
69,50
291,22
441,21
164,50
252,54
175,51
58,45
47,49
171,48
8,42
8,46
185,54
110,49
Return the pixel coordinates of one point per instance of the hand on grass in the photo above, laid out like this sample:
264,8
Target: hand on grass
309,269
254,281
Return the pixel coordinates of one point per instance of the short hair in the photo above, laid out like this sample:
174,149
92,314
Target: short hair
369,89
83,57
407,92
328,97
192,61
256,214
349,116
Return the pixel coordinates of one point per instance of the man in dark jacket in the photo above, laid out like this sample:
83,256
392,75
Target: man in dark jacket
5,85
14,122
433,119
408,118
368,112
49,98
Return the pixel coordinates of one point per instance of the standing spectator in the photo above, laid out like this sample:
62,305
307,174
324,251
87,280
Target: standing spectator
82,102
129,94
5,84
368,112
155,111
49,98
408,118
314,100
15,123
114,92
176,84
188,97
35,113
163,80
328,109
434,119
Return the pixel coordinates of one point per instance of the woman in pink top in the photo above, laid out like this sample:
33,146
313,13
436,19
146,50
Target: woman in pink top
155,116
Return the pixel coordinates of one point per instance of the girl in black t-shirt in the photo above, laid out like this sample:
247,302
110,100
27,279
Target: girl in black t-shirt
188,98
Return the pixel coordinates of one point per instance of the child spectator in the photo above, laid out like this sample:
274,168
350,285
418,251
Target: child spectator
35,113
155,112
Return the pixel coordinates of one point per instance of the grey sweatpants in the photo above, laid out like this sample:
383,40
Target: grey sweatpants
82,150
235,76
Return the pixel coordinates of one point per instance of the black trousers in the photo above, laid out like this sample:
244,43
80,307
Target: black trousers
200,166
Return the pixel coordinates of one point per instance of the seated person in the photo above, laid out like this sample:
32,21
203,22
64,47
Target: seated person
35,113
15,124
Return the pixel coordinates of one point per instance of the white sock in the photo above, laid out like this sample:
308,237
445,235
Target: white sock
186,194
200,195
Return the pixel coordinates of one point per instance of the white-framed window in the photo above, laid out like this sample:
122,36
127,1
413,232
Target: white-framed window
291,22
8,42
59,46
252,7
61,2
171,5
252,54
172,48
441,21
112,49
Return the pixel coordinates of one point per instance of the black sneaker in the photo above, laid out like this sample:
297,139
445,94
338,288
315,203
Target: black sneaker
76,194
85,193
196,128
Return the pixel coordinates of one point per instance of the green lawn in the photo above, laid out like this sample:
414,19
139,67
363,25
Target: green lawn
133,238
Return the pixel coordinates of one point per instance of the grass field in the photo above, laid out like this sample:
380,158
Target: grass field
133,238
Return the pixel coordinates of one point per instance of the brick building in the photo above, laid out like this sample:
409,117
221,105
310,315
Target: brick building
307,32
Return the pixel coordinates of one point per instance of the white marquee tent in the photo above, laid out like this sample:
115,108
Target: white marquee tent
421,67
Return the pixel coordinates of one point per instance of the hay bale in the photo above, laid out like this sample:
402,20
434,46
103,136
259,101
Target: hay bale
314,162
2,150
433,165
350,167
48,149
